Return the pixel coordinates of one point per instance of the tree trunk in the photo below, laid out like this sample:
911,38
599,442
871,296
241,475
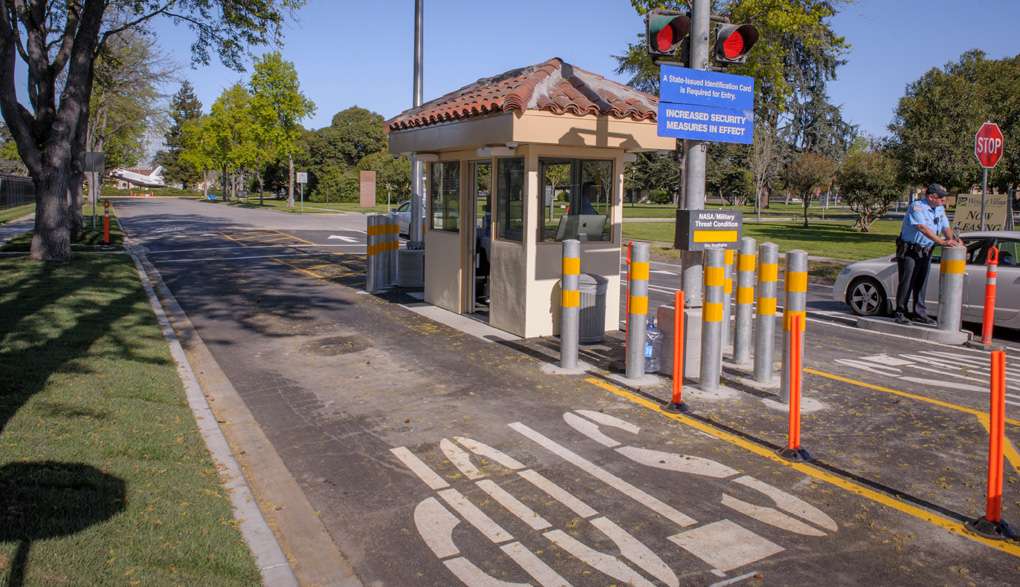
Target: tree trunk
290,180
51,240
205,183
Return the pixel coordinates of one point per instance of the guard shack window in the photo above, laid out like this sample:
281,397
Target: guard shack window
510,199
445,190
577,199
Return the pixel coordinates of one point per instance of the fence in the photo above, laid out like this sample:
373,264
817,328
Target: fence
16,190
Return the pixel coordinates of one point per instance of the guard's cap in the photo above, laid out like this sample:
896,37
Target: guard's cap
938,190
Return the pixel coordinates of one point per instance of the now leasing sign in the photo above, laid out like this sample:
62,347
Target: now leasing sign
967,218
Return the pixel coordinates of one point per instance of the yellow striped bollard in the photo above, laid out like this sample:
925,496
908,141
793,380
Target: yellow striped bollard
745,303
570,303
637,312
712,319
951,269
765,321
795,305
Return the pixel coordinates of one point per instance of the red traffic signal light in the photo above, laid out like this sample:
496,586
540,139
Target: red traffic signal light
665,32
733,41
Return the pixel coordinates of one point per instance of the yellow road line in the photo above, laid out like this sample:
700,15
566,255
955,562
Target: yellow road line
871,494
1008,450
230,238
292,266
905,394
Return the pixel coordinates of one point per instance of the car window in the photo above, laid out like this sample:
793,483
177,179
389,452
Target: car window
976,251
404,207
1008,252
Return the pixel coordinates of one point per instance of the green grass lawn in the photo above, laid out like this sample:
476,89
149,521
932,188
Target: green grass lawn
15,213
90,239
822,239
104,477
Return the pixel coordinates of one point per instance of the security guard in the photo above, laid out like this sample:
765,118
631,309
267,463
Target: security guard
923,224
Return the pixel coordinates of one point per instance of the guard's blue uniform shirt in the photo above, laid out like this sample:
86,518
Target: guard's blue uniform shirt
920,213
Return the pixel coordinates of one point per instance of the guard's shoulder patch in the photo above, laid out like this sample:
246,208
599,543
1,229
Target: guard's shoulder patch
918,208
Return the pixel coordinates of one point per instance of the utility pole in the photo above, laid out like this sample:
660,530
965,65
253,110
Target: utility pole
416,241
695,155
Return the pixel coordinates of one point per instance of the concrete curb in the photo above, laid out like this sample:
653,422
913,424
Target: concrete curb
273,564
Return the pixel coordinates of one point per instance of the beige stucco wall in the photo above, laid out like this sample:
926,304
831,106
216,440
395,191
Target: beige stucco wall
442,270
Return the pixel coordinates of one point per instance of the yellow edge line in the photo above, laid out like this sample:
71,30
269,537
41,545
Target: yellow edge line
299,268
1008,450
230,238
946,523
294,237
905,394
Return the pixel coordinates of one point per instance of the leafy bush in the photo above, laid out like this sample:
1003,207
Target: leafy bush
660,197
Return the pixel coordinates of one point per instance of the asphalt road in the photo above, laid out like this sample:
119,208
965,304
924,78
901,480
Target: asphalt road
432,457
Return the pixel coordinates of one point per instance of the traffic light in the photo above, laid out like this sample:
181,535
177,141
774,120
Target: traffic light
733,41
665,31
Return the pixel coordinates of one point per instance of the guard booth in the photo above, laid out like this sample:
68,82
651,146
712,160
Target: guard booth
516,164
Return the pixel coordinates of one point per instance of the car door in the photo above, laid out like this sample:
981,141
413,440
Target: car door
1007,284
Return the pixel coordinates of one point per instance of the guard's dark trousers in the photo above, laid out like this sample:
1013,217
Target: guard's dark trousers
913,272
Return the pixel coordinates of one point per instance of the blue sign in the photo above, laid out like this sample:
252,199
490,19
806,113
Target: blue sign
705,123
679,85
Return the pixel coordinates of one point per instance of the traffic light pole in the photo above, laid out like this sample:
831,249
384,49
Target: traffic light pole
696,155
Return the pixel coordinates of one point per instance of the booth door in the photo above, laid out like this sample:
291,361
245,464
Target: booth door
478,225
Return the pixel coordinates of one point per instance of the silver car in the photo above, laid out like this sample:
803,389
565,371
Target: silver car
403,214
869,287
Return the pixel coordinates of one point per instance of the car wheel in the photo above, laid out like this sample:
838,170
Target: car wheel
866,297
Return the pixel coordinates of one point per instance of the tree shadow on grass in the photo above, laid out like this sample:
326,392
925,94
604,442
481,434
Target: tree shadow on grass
52,315
50,500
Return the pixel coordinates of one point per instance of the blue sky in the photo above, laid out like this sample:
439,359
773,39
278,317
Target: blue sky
361,53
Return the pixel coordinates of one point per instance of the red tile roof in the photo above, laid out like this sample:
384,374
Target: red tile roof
553,86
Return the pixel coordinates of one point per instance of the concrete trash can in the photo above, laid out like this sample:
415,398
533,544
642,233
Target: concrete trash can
592,318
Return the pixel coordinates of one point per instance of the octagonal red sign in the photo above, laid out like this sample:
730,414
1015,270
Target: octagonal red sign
988,144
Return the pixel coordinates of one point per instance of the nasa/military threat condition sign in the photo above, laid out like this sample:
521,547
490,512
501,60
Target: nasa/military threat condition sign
698,230
705,105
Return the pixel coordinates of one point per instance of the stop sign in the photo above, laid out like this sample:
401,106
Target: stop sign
988,144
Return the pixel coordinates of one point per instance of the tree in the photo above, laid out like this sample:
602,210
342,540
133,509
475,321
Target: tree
934,124
198,148
184,107
805,174
277,107
230,132
59,42
869,182
765,159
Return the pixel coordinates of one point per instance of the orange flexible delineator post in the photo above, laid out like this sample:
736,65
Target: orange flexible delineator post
793,451
989,316
106,221
991,525
677,405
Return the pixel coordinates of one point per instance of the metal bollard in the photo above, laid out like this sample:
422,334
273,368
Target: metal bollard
711,319
765,322
390,255
951,269
991,274
795,305
570,303
637,311
745,302
727,297
371,267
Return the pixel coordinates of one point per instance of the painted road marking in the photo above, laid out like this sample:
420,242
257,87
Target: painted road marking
832,479
605,476
436,523
725,545
346,239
